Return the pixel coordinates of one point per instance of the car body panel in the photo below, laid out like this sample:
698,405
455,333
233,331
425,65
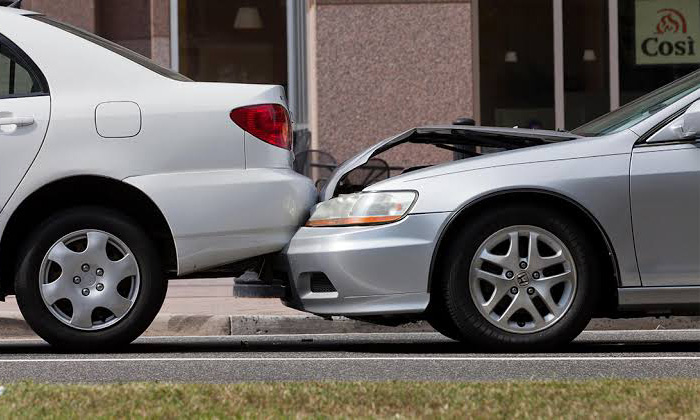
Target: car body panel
259,154
665,201
617,144
366,264
652,300
20,145
240,213
449,134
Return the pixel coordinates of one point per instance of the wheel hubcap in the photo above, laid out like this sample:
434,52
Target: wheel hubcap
89,280
522,279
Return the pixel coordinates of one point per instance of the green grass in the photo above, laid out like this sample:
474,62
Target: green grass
543,399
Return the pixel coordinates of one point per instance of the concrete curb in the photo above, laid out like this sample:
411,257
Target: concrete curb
13,326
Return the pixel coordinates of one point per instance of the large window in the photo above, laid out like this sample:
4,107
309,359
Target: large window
516,63
586,61
659,43
561,63
241,41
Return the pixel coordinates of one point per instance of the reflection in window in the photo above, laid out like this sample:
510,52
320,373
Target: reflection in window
586,61
15,80
517,63
639,20
234,41
641,109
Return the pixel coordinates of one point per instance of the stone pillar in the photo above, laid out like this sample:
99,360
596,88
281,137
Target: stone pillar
379,67
160,32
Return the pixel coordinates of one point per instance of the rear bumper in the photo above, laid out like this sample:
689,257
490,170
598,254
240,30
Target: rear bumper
377,270
220,217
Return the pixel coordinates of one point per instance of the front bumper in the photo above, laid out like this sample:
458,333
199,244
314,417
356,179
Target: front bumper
375,270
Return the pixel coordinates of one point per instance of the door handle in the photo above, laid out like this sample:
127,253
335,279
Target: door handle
18,121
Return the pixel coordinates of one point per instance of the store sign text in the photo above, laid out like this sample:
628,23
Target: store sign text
667,31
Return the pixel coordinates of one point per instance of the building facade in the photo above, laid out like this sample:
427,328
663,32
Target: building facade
358,71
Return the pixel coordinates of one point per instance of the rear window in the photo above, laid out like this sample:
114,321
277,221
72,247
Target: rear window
116,48
19,77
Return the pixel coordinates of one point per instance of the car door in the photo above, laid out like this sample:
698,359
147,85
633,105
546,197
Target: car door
665,201
24,115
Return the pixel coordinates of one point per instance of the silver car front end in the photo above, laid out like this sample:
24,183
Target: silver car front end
386,269
364,270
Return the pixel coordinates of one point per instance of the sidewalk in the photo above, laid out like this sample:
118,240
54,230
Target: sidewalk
206,307
215,297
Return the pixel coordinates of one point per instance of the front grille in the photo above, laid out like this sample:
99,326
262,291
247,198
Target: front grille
321,284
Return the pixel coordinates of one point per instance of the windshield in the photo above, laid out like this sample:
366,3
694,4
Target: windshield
116,48
642,108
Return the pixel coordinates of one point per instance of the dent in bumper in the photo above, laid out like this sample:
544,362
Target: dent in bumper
376,270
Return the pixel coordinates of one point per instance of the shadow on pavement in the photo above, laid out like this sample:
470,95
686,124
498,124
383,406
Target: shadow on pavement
430,345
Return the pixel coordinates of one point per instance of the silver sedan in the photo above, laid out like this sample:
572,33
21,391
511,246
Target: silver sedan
521,243
117,174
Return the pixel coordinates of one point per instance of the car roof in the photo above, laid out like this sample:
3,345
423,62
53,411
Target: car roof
14,11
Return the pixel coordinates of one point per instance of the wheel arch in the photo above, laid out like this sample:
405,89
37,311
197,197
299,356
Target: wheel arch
546,198
88,190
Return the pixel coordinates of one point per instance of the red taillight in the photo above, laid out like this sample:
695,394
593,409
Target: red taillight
269,122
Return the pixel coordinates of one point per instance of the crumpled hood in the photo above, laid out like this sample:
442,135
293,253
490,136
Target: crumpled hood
451,137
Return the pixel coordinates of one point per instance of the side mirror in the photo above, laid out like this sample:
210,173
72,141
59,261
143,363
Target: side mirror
687,127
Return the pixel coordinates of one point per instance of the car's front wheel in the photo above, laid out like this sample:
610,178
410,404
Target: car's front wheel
520,278
89,278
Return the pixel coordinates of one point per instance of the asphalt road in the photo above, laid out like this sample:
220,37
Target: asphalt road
425,356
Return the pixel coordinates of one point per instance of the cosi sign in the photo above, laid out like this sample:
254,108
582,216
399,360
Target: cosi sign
667,31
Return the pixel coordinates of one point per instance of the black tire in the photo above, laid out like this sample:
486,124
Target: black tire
440,320
153,285
453,295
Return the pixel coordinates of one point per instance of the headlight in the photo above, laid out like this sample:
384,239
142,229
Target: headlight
366,208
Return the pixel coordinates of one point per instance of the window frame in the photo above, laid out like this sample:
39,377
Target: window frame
21,58
643,140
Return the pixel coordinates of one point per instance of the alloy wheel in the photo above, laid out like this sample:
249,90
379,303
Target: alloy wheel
522,279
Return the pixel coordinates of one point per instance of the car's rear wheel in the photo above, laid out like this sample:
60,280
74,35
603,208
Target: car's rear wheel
520,278
89,278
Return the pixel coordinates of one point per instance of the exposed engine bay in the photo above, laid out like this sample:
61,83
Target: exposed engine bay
465,142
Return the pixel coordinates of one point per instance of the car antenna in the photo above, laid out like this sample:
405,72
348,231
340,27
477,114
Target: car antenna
17,4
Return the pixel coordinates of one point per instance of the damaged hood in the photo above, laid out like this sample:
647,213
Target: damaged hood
450,137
